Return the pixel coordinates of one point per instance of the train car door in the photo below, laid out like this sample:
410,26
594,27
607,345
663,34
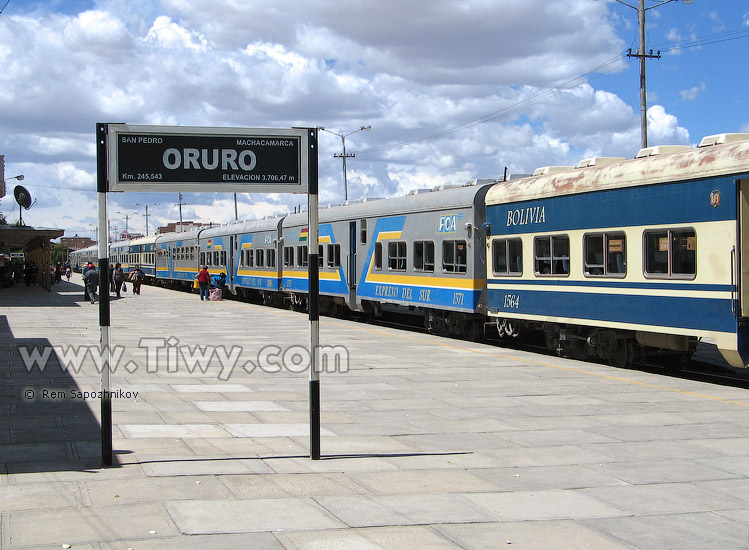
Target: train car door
351,274
742,285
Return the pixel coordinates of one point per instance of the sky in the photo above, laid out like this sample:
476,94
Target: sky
453,90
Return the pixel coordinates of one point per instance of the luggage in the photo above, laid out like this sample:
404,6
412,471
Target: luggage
214,295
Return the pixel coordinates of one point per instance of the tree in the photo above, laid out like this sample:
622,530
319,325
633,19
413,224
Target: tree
60,253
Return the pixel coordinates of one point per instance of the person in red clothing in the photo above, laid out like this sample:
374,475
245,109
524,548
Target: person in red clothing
204,280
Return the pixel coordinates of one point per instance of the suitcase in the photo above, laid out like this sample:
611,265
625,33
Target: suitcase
214,295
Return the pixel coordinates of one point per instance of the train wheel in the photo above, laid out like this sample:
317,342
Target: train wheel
623,355
473,330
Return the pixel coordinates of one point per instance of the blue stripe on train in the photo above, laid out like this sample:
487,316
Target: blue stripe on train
678,312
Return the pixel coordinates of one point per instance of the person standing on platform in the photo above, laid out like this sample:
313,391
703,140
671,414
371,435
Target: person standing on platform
85,284
136,277
204,280
118,278
92,282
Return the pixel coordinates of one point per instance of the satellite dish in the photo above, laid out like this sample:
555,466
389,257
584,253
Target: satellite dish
23,197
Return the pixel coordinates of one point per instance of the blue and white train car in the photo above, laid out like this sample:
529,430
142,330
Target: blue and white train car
256,266
639,254
141,252
176,258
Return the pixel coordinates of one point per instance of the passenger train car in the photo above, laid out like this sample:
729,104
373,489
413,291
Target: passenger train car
611,259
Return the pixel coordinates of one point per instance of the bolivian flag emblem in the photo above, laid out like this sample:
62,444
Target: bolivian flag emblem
303,234
210,243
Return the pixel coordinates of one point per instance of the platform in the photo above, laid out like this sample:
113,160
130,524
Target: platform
427,442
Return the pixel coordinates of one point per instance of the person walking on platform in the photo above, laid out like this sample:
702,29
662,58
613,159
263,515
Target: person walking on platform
136,277
118,278
204,280
92,282
85,269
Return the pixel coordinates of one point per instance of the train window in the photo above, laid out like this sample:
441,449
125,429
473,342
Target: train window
270,258
223,258
288,256
302,256
397,256
670,253
454,256
552,255
605,255
363,231
259,257
507,257
424,256
334,255
378,256
202,258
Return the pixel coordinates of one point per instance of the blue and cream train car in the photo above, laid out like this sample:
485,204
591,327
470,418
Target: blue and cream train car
82,257
142,252
256,269
176,258
650,253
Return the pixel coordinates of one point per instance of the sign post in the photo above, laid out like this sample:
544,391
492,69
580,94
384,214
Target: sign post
164,159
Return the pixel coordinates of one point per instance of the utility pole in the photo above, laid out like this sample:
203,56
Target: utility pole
180,212
643,55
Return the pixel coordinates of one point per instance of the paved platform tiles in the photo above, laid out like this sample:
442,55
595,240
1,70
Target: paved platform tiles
426,442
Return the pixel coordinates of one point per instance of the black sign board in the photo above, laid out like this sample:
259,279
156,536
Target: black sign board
180,158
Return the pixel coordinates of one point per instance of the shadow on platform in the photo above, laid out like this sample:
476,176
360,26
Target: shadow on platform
44,426
63,294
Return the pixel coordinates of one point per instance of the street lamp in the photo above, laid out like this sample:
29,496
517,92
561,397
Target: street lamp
343,155
643,55
146,206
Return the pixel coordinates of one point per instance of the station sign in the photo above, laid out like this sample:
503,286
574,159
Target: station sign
206,160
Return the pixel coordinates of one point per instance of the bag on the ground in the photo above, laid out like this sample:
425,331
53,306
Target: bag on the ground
214,295
124,287
195,284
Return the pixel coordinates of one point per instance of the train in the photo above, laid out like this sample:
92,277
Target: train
615,259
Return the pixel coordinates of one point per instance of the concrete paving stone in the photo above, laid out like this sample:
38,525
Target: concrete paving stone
546,477
294,417
385,428
161,466
118,491
149,445
272,430
445,460
414,509
328,463
560,455
424,481
643,472
82,525
372,538
246,447
650,450
249,541
233,406
456,442
529,535
172,430
735,487
210,388
357,445
683,531
725,446
202,517
664,498
541,505
545,438
290,485
29,496
37,451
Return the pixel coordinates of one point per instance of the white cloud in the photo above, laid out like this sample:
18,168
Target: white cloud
664,129
692,93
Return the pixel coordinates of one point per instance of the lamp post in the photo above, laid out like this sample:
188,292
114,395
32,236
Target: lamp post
643,55
146,206
96,232
343,155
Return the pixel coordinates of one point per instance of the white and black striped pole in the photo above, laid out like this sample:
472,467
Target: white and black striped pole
104,275
314,300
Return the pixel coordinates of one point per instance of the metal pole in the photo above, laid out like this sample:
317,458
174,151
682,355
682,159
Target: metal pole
180,213
314,299
643,92
104,275
345,178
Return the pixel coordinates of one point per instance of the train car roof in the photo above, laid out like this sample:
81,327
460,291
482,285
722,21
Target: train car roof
143,240
180,236
694,164
249,226
463,196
